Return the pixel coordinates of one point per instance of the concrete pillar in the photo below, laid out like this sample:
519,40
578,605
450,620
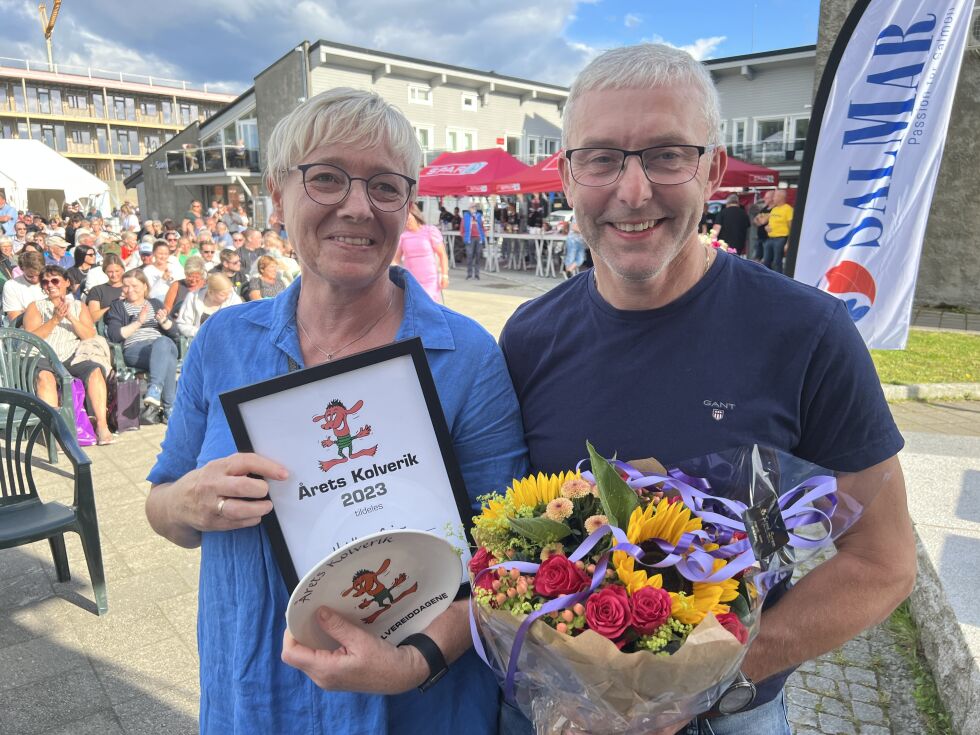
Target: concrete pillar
949,270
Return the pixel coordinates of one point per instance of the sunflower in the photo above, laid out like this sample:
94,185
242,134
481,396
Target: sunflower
663,520
533,493
706,597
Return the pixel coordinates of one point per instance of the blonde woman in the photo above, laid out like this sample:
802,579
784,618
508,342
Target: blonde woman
219,293
267,284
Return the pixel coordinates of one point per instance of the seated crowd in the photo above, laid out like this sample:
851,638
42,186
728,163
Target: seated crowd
147,289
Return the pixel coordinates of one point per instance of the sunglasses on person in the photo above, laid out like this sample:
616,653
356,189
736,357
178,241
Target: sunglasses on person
173,237
53,281
207,252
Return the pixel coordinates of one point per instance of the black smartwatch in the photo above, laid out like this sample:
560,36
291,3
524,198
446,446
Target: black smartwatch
438,667
739,695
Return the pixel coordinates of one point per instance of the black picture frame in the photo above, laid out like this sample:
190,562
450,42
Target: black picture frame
231,402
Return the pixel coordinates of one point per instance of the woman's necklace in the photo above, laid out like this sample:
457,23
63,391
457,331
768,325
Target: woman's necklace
358,338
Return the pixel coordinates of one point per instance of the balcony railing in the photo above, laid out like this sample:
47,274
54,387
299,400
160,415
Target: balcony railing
195,160
69,70
769,153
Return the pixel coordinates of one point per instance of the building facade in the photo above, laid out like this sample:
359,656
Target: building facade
106,122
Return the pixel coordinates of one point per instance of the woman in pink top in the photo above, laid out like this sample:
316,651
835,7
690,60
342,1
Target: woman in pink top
422,253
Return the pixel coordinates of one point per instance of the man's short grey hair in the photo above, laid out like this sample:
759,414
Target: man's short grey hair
645,66
83,234
342,115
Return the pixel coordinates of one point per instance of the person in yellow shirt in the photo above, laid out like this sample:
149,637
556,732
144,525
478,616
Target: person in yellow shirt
778,222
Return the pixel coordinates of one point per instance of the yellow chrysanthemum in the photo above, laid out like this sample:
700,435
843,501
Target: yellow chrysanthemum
533,492
664,520
494,510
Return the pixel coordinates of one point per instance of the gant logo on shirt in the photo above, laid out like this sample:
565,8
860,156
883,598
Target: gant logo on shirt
718,408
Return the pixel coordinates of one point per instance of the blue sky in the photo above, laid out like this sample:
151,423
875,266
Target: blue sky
225,43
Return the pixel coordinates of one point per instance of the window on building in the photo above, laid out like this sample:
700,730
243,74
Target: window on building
425,135
81,136
98,102
514,145
102,138
31,99
800,127
167,107
533,150
125,142
769,136
56,105
551,146
22,131
123,169
130,109
149,110
77,100
88,166
19,98
470,101
460,139
8,130
151,141
188,112
43,100
420,94
738,137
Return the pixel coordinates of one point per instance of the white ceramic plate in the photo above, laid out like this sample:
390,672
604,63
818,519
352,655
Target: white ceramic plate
392,583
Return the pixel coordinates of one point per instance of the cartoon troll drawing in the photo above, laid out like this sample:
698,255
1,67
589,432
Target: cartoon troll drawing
334,419
366,582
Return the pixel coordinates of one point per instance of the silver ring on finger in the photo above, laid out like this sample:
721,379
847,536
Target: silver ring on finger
221,506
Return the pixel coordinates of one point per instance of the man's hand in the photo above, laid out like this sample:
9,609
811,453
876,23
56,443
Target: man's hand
363,663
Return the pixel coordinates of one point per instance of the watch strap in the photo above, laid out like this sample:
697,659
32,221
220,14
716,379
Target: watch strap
432,655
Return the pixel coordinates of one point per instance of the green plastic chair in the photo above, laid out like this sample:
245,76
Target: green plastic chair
24,517
20,352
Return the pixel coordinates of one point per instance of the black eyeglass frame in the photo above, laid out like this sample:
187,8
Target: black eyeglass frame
701,149
304,167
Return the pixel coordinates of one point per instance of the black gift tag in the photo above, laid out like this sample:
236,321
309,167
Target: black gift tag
765,528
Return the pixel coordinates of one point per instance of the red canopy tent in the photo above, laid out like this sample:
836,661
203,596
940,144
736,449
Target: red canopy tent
467,172
542,177
740,173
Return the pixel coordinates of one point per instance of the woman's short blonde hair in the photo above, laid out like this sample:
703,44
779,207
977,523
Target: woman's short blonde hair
219,282
341,115
264,261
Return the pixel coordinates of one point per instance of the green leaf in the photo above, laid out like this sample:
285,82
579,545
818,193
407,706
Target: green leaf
618,499
540,530
740,607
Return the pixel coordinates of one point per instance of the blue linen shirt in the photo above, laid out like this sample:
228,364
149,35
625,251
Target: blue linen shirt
245,688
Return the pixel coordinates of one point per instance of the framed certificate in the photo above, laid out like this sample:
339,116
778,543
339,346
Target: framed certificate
367,448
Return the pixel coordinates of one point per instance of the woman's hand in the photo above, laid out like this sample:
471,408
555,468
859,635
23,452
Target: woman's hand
144,313
363,663
162,316
444,281
220,496
62,310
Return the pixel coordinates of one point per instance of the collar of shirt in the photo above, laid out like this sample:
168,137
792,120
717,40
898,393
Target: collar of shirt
423,317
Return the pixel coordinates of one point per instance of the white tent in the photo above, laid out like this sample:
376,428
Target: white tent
39,179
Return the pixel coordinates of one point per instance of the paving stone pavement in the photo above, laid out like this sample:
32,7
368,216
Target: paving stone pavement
67,671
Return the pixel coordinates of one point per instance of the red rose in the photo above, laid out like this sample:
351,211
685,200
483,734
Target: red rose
608,612
558,576
733,625
480,561
651,608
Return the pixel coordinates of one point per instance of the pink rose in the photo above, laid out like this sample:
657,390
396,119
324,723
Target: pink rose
558,576
733,625
651,608
480,561
608,612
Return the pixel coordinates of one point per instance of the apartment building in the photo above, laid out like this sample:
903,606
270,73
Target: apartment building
106,122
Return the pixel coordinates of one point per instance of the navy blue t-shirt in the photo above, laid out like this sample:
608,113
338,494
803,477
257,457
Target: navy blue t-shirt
746,356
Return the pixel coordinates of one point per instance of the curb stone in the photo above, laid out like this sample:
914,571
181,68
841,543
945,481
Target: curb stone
932,391
955,670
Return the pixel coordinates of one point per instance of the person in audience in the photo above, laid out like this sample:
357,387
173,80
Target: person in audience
99,298
7,263
231,266
67,326
54,253
163,271
78,273
251,251
147,335
25,289
267,284
198,306
209,254
193,280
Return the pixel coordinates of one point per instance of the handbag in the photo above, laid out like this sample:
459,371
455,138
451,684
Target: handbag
123,404
83,425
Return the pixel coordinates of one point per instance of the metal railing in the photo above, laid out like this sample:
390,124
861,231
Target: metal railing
115,76
196,160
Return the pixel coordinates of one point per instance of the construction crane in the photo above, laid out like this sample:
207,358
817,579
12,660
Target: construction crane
47,25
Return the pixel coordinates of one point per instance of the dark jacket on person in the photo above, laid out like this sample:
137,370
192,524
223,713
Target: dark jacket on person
117,318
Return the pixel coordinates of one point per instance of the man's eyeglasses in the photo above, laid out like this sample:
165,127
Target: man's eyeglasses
329,184
53,281
234,262
662,164
207,252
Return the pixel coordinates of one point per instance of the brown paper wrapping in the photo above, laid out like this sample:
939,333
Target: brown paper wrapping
586,684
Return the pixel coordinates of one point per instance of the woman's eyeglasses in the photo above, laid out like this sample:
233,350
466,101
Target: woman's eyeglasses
54,281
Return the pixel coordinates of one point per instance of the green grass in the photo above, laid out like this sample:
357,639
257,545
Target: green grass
903,627
931,357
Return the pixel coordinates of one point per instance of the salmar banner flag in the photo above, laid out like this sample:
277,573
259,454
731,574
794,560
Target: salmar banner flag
876,139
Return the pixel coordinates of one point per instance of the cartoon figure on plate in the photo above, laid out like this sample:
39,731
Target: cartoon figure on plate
366,582
334,419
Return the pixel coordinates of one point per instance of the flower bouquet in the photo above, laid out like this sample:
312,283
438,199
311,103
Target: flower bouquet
623,599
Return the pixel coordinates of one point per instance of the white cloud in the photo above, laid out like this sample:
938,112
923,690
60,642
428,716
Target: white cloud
703,48
631,20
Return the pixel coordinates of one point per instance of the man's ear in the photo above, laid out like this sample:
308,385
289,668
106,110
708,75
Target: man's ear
716,171
276,202
566,179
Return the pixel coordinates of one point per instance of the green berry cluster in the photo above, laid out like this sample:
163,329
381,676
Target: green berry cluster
667,638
